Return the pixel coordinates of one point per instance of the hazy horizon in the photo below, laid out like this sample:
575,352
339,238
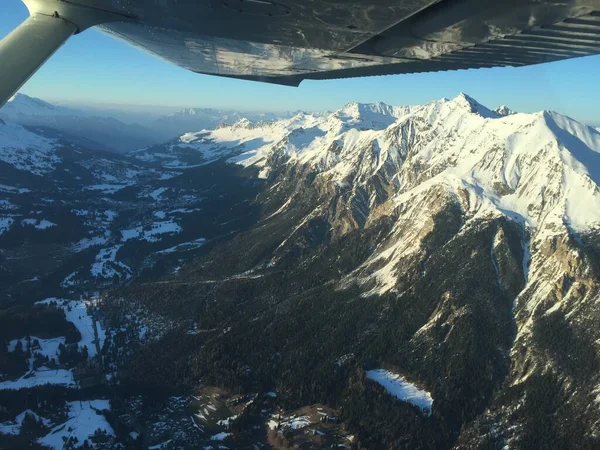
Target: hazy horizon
132,113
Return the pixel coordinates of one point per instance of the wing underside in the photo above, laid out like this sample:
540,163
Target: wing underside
287,42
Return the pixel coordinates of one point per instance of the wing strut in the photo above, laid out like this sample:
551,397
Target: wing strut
50,24
24,50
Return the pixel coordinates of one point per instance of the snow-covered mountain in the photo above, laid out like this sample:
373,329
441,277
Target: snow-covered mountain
21,106
191,119
104,133
452,248
504,111
483,224
456,143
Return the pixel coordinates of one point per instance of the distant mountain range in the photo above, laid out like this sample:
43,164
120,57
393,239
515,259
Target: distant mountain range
107,133
195,119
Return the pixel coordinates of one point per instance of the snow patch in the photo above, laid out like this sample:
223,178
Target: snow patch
107,266
402,389
76,312
42,224
85,419
40,377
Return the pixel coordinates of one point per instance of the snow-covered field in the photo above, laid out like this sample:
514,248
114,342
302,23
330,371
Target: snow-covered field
107,265
155,194
40,377
14,427
220,436
85,419
40,224
47,347
12,189
76,312
89,242
402,389
5,223
27,151
152,232
106,188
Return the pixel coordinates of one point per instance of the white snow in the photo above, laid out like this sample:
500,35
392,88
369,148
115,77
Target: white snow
23,105
14,427
168,175
5,223
48,347
69,280
107,265
402,389
39,224
131,233
155,194
6,205
43,224
158,228
89,242
299,422
12,189
106,188
110,215
27,151
40,377
151,232
85,418
76,312
220,436
185,246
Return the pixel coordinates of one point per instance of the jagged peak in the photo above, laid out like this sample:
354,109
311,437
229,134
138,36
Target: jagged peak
356,109
467,102
368,115
504,111
243,123
186,112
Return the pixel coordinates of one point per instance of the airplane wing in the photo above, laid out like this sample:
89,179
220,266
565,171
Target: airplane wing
288,41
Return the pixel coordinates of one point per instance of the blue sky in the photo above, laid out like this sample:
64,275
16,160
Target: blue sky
93,68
